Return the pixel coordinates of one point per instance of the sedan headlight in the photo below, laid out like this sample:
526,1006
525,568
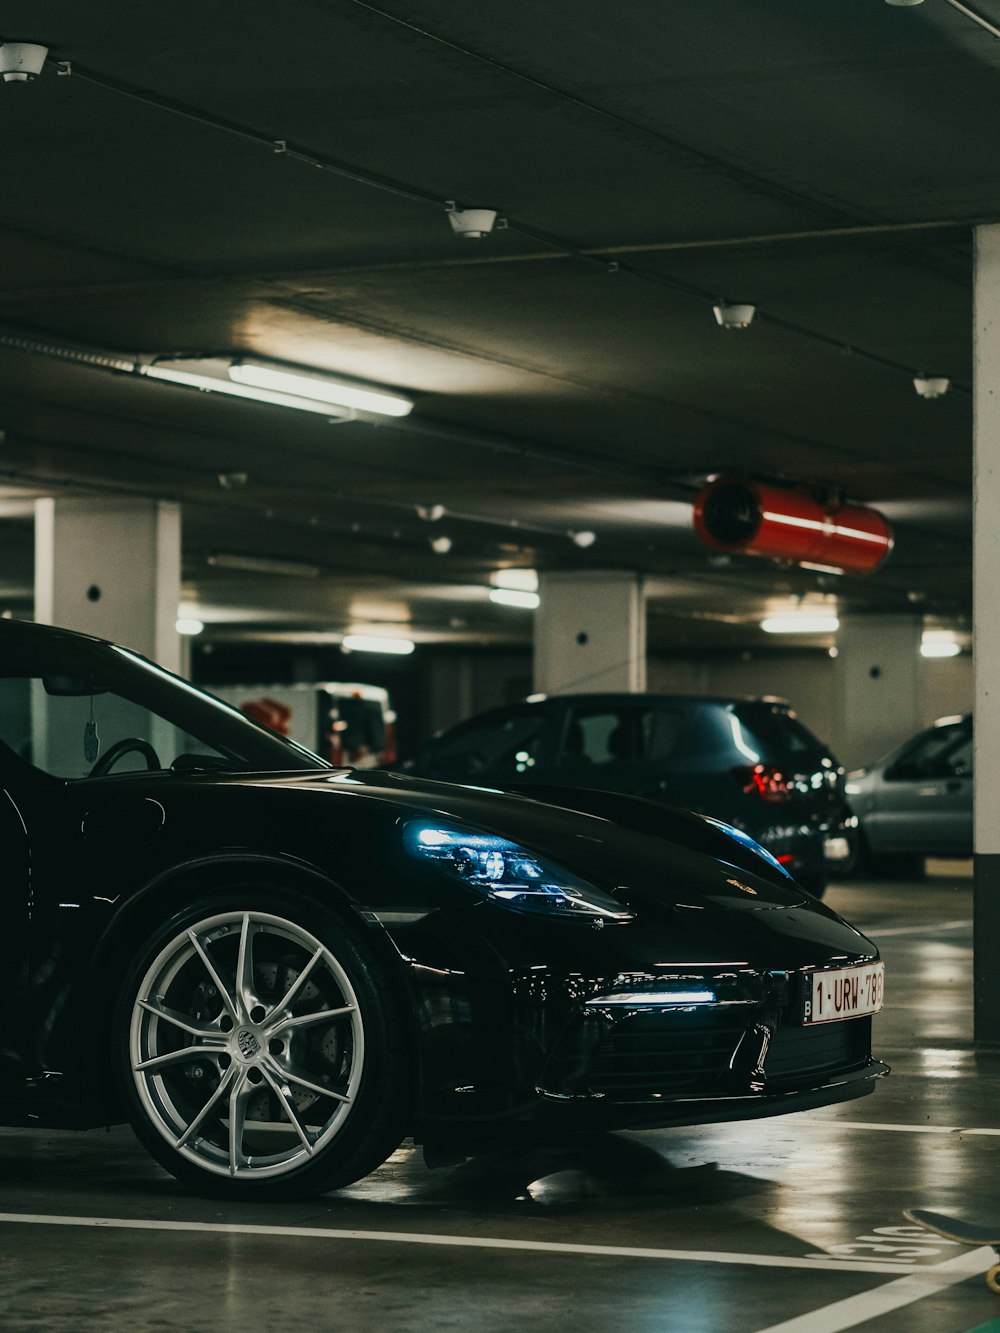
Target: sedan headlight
509,874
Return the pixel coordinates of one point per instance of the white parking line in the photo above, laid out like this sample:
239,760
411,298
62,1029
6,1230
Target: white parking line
869,1305
929,929
467,1242
896,1129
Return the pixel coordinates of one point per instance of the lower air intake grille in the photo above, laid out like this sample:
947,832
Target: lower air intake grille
663,1053
814,1050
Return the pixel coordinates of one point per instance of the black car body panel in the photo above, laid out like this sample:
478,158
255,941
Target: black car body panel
519,1023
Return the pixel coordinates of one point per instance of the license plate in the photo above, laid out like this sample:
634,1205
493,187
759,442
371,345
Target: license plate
836,849
847,992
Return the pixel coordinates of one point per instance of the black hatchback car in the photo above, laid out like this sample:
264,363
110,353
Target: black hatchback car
748,762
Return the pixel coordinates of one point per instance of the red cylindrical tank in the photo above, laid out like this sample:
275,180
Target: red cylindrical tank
790,523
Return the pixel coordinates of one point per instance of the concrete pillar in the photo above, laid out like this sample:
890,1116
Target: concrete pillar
590,633
111,567
986,626
876,686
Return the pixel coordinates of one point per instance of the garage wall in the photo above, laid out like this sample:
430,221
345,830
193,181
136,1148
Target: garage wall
805,679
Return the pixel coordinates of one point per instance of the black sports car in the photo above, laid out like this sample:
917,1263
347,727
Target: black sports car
277,970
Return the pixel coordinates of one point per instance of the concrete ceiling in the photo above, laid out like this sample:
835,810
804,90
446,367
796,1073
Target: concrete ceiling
226,180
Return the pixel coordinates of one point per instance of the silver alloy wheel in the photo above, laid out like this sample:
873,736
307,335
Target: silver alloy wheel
247,1045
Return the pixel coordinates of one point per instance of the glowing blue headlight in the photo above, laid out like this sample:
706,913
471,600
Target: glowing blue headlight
745,839
509,874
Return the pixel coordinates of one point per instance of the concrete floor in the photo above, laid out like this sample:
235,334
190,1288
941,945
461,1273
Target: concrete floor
774,1224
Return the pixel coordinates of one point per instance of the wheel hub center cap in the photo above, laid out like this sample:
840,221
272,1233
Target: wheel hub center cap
246,1045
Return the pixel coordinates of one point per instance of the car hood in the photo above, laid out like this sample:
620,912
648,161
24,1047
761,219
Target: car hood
638,867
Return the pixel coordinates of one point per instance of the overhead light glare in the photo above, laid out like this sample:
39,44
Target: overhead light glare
528,601
319,388
441,545
188,625
583,539
262,564
213,377
523,580
372,643
800,624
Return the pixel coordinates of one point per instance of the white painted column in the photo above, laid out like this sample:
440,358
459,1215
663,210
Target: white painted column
986,629
877,678
112,568
590,633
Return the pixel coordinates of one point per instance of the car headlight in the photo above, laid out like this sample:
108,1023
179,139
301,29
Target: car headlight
746,841
510,875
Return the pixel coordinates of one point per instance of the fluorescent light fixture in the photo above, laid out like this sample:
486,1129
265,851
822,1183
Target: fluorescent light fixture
529,601
262,564
320,388
188,625
279,386
939,643
522,580
800,624
373,643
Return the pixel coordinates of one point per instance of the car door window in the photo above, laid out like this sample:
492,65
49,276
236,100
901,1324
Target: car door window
504,746
596,735
931,755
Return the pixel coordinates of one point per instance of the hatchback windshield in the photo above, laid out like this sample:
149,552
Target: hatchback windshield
75,708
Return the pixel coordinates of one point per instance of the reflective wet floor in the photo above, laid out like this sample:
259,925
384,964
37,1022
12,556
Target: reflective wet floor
792,1224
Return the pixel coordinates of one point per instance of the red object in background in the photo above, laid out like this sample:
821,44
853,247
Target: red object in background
765,781
270,712
790,523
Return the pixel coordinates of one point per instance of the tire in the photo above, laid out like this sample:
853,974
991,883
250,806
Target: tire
233,1081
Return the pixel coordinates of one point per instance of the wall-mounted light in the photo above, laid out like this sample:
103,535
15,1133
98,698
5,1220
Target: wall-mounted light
522,580
441,544
801,623
734,315
583,539
377,643
939,643
430,513
188,625
527,601
279,386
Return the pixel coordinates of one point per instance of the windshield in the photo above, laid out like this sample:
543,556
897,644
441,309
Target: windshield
75,708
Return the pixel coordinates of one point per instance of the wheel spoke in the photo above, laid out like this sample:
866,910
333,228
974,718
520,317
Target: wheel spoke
213,1101
295,1075
238,1098
212,971
309,1020
245,997
182,1021
288,999
286,1101
178,1057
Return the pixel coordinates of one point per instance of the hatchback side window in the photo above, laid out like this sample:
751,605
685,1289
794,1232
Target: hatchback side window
931,755
603,734
504,746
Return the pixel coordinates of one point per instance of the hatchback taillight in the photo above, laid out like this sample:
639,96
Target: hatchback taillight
765,781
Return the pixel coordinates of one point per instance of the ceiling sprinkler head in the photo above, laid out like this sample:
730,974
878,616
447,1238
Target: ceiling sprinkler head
472,223
441,545
21,61
931,387
734,316
583,539
430,513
